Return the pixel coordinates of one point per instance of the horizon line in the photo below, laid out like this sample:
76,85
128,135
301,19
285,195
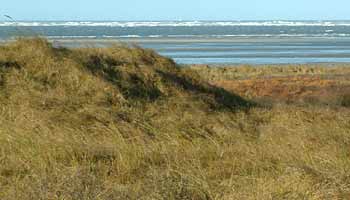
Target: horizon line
168,20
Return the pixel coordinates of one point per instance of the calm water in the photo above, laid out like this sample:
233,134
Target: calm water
252,42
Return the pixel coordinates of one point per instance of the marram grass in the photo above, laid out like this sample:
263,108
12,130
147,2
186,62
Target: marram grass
126,123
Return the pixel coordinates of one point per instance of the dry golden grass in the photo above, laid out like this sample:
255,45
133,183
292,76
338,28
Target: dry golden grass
324,84
270,71
125,123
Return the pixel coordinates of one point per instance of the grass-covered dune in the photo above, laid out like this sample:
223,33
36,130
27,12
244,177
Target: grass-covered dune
126,123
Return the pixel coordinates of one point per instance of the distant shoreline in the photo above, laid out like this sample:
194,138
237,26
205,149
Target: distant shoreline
238,39
232,51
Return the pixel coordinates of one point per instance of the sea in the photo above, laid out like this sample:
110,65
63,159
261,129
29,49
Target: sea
203,42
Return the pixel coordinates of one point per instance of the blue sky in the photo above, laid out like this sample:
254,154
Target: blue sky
175,9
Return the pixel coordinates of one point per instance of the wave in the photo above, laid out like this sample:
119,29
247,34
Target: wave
69,37
178,23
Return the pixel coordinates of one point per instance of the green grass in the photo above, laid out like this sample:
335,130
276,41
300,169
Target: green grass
126,123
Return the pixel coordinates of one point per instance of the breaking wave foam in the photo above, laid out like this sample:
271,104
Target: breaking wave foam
179,23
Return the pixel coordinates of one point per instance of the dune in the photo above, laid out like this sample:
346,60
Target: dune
126,123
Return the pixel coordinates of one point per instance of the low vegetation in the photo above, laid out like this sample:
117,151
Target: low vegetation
126,123
326,84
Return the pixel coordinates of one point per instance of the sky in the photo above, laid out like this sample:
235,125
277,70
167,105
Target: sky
175,9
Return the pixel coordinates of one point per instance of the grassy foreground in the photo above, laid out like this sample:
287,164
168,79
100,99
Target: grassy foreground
126,123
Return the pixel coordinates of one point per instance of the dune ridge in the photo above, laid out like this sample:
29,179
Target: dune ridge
125,123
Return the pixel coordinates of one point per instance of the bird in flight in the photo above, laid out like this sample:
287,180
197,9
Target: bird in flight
7,16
